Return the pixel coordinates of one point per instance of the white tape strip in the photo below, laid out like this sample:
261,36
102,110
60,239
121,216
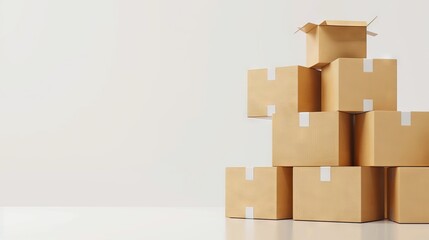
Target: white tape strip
405,118
368,65
249,212
271,74
249,173
304,119
325,174
367,105
271,109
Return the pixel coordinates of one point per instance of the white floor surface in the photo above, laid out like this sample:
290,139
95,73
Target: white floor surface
130,223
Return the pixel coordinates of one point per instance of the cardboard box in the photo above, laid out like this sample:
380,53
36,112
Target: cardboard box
359,85
293,89
260,192
343,194
408,195
385,138
312,139
386,202
330,40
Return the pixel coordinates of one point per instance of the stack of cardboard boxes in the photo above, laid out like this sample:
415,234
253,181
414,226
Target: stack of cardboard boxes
341,151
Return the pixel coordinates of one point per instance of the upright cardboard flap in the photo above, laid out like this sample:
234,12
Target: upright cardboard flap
307,27
344,23
340,23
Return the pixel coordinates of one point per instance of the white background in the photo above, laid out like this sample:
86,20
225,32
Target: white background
143,103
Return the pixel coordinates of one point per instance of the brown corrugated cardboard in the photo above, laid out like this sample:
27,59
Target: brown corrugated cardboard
294,89
312,139
386,138
386,203
408,195
334,39
359,85
266,194
343,194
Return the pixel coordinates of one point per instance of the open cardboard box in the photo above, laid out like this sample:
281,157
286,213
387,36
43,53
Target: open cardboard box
330,40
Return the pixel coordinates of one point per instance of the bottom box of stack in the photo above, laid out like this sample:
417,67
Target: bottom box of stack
260,192
340,194
407,194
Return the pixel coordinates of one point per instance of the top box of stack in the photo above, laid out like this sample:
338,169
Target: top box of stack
330,40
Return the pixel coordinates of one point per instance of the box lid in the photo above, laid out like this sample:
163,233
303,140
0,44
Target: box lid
309,26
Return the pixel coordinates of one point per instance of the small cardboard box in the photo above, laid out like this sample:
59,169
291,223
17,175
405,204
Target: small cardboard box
386,138
330,40
343,194
312,139
408,195
293,89
359,85
260,192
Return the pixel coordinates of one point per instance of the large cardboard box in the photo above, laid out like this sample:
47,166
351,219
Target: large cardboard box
312,139
386,138
359,85
293,89
343,194
260,192
408,194
330,40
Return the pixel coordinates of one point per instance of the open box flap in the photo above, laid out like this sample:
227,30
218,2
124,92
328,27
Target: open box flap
343,23
309,26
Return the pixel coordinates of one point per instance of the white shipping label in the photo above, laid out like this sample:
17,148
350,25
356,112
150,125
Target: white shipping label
405,118
304,119
271,74
249,173
325,174
249,212
271,109
367,105
368,65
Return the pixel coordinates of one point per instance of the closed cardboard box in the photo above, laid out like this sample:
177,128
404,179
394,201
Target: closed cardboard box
359,85
341,194
260,192
387,138
408,194
312,139
330,40
292,89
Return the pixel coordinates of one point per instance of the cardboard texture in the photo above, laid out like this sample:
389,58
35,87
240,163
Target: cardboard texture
320,139
353,194
334,39
348,82
386,138
294,89
269,193
386,202
408,195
